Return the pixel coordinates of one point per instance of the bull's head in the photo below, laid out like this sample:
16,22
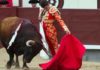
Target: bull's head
32,49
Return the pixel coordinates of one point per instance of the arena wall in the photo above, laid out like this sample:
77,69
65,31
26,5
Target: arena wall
83,23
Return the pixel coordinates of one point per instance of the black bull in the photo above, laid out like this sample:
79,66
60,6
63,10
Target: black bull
27,42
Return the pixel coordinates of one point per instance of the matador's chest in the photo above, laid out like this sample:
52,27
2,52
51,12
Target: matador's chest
48,16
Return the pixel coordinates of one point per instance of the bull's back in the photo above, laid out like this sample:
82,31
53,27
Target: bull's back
7,26
28,31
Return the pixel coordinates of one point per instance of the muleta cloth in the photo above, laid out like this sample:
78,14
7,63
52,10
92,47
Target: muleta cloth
68,57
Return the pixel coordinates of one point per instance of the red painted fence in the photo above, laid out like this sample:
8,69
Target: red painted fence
83,23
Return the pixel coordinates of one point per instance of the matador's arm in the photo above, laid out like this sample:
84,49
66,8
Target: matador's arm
54,11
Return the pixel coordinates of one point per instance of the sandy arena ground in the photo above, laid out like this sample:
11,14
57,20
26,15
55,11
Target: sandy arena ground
37,60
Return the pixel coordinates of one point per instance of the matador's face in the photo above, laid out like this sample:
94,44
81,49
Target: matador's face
47,7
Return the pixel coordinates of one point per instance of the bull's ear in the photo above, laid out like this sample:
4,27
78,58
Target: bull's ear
29,43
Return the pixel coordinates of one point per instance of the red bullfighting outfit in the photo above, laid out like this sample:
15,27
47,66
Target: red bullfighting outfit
68,57
48,17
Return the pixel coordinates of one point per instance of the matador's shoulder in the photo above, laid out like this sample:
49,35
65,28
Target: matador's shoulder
53,9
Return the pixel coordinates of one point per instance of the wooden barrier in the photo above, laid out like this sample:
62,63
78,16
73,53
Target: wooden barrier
83,23
7,12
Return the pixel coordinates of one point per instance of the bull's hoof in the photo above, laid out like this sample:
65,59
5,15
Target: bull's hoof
13,63
17,66
26,68
8,65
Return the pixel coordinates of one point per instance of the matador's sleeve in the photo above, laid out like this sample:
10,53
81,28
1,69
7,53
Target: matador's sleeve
55,12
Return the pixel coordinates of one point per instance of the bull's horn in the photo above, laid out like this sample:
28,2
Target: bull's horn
29,43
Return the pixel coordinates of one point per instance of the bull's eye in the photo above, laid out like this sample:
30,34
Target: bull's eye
29,43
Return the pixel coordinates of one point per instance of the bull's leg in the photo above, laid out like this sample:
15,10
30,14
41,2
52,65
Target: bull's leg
10,62
17,62
25,64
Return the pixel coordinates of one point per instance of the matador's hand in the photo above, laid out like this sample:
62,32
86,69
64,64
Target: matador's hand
66,30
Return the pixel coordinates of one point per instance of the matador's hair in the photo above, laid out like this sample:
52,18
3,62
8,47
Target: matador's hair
43,3
33,1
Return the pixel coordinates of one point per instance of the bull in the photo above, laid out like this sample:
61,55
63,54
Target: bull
27,41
